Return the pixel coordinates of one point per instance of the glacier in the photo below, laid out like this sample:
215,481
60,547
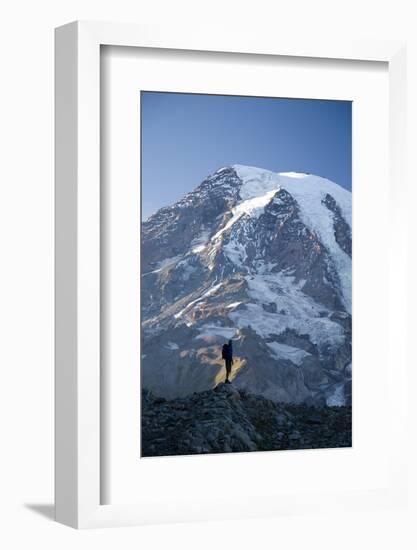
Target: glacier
260,257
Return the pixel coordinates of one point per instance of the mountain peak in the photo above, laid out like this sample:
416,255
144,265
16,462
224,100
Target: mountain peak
260,257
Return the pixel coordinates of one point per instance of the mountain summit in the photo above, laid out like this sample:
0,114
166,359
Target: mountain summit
260,257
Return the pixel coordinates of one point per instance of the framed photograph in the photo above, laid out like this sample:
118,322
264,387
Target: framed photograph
228,214
246,278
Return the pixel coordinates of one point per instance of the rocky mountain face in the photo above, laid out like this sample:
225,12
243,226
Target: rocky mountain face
227,420
261,258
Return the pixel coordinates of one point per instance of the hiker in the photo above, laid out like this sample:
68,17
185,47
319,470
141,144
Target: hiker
227,355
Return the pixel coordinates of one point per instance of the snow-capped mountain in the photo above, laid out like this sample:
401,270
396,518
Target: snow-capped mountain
264,259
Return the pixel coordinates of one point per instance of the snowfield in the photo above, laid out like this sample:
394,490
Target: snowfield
216,330
295,310
252,207
282,351
309,191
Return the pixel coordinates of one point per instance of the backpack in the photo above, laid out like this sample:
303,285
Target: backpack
225,354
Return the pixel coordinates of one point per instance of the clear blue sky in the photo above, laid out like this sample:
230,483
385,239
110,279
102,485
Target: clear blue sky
186,137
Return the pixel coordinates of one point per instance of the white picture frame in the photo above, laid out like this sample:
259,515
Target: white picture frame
78,404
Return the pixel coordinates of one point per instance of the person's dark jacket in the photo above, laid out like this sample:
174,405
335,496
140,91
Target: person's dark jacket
227,352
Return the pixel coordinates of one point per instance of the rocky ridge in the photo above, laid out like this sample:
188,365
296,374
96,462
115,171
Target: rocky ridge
226,419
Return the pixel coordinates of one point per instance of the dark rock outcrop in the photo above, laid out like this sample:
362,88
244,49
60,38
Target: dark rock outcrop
227,420
342,231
